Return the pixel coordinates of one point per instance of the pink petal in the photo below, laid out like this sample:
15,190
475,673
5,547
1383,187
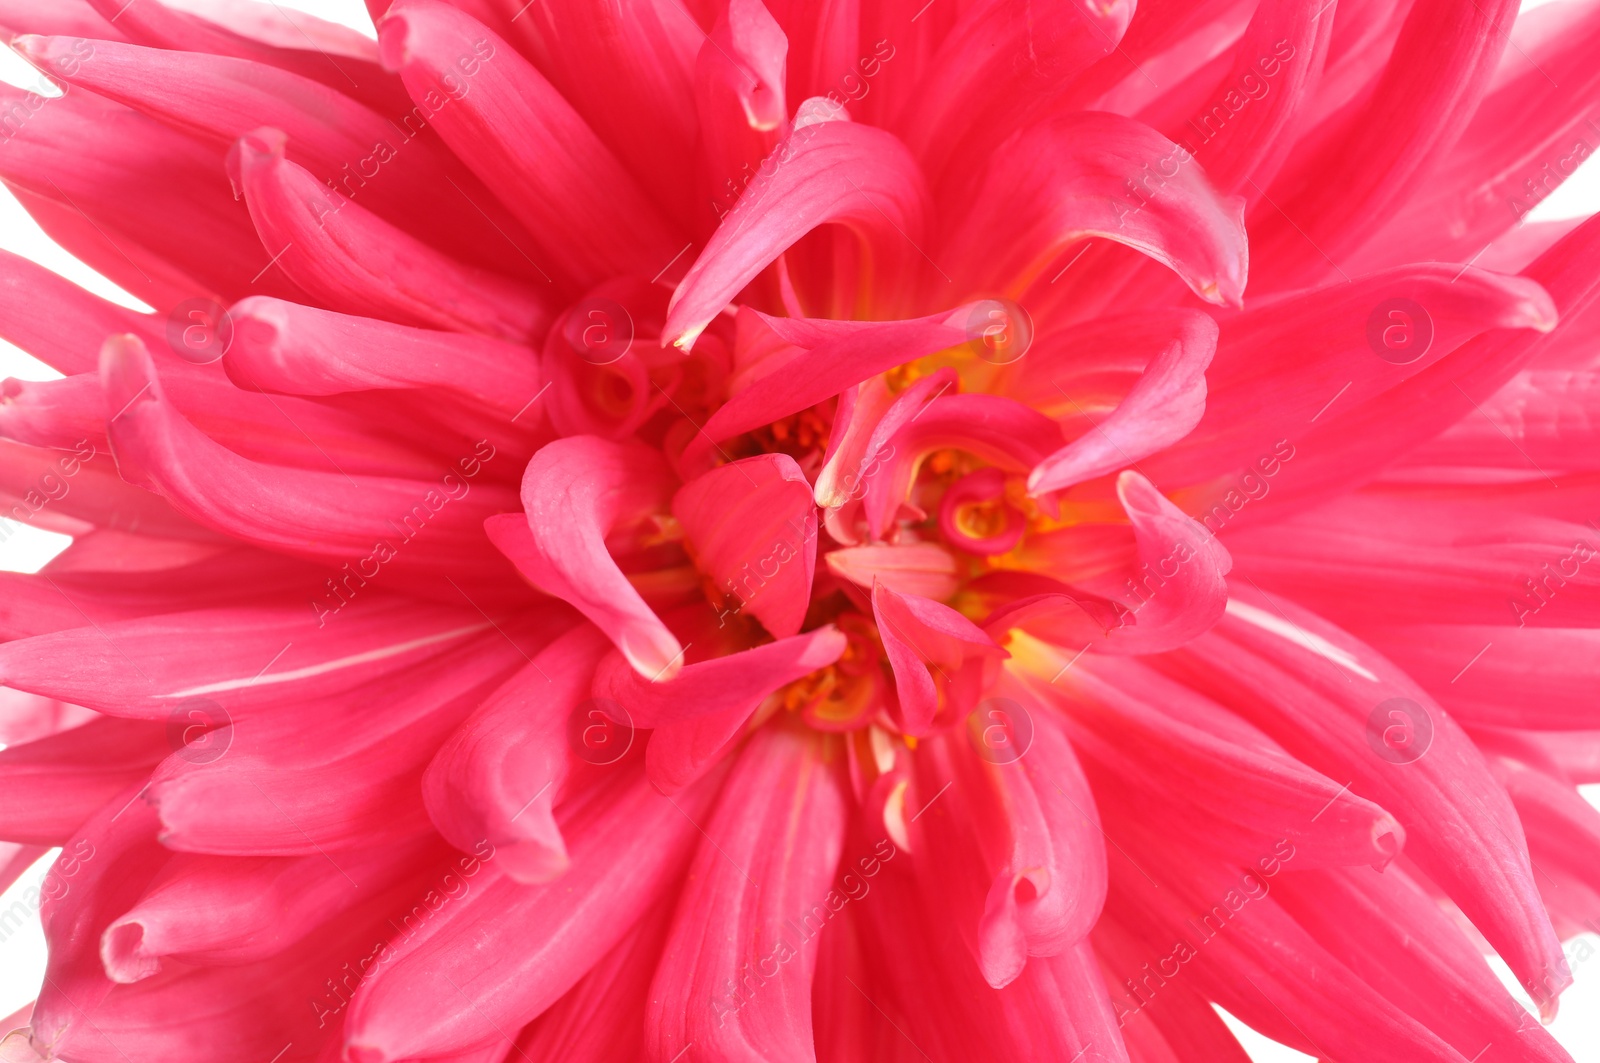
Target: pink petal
1160,409
1254,400
1162,748
300,350
631,78
513,950
831,171
222,911
744,518
1066,180
499,776
828,356
577,492
53,785
217,99
780,822
527,145
924,569
367,523
917,633
161,192
1325,690
1001,431
719,685
1424,96
357,263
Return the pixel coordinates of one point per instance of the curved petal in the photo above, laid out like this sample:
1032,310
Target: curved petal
739,93
576,492
825,357
751,527
499,776
60,323
146,187
371,522
827,171
721,684
359,152
1001,431
1321,693
299,350
1161,408
628,68
527,144
513,950
304,44
917,633
1167,590
1353,341
1098,175
780,822
229,911
924,569
357,263
1001,59
1434,78
53,785
1164,750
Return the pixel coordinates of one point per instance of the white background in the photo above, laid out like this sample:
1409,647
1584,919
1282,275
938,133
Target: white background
27,549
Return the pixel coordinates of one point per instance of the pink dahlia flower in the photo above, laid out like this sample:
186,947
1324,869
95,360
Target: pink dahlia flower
712,530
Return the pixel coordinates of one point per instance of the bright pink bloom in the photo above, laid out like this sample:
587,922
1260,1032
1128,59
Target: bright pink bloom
759,530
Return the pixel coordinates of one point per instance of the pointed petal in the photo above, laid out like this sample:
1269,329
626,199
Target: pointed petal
229,911
628,68
53,785
146,187
300,350
721,684
828,357
917,633
1153,743
1435,76
217,99
1001,431
1253,399
924,569
238,657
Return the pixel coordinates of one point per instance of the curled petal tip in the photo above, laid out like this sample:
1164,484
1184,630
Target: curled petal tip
123,954
394,34
1389,838
654,655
